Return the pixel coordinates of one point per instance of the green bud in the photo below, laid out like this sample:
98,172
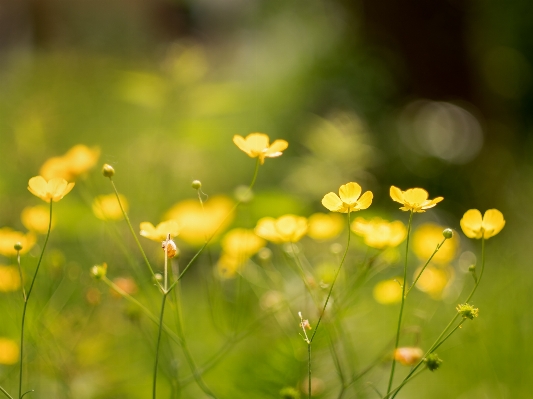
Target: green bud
467,311
472,268
289,393
447,233
196,184
108,170
433,362
99,271
18,246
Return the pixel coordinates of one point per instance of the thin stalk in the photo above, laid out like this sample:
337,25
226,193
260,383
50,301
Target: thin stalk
27,298
21,276
5,393
404,283
309,369
397,389
160,329
424,268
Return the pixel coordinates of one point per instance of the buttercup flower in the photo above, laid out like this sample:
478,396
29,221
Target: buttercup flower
379,233
256,145
9,279
8,239
325,226
414,199
242,243
408,356
288,228
52,190
77,161
160,232
426,238
36,218
475,226
9,351
106,207
388,291
434,280
348,200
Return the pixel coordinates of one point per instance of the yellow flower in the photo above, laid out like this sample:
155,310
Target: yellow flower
475,226
160,232
388,291
9,279
348,200
324,226
51,190
36,218
198,223
106,207
9,351
414,199
287,228
408,356
425,240
256,145
242,242
379,233
434,280
228,265
77,161
8,239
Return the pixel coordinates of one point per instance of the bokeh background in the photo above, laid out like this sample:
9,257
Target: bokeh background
414,93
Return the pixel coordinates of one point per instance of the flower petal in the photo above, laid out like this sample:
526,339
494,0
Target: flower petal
415,196
277,146
38,187
332,202
396,194
350,192
365,201
241,143
266,228
147,230
257,142
493,222
471,223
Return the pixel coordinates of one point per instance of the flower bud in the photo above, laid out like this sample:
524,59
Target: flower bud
99,271
467,311
18,246
447,233
158,277
289,393
472,268
196,184
170,247
108,170
432,361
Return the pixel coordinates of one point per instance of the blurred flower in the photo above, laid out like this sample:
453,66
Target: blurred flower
93,296
475,226
9,279
198,223
77,161
379,233
324,226
106,207
36,218
257,145
426,238
8,239
126,284
287,228
434,280
388,291
228,265
160,232
413,199
9,351
408,356
349,199
242,242
51,190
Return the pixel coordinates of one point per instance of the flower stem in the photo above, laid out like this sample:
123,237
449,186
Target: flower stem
309,368
404,283
5,393
160,329
424,268
27,298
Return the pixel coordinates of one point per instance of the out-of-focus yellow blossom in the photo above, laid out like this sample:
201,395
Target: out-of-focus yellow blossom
9,351
434,280
106,207
228,265
9,279
324,226
425,240
388,291
126,284
77,161
242,242
413,199
8,239
36,218
51,190
160,232
348,200
408,356
475,226
198,223
287,228
379,233
256,145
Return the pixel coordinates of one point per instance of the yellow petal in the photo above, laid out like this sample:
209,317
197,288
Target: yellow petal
257,142
471,223
147,230
332,202
415,196
38,187
396,194
266,228
493,222
350,192
365,201
241,143
277,147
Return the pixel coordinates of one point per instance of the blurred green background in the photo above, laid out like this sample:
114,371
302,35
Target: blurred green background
412,94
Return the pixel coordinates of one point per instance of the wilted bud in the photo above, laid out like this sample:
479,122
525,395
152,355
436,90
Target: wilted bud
108,170
408,356
433,362
447,233
196,184
18,246
99,271
170,247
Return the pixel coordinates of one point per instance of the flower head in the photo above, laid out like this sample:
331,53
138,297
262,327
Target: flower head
388,291
52,190
348,200
9,351
467,311
413,199
325,226
9,279
36,218
256,145
379,233
106,207
77,161
287,228
434,280
426,238
475,226
160,232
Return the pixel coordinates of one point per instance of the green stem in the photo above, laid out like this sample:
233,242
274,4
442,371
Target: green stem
27,298
334,279
424,268
5,393
397,389
160,329
309,368
21,276
404,283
